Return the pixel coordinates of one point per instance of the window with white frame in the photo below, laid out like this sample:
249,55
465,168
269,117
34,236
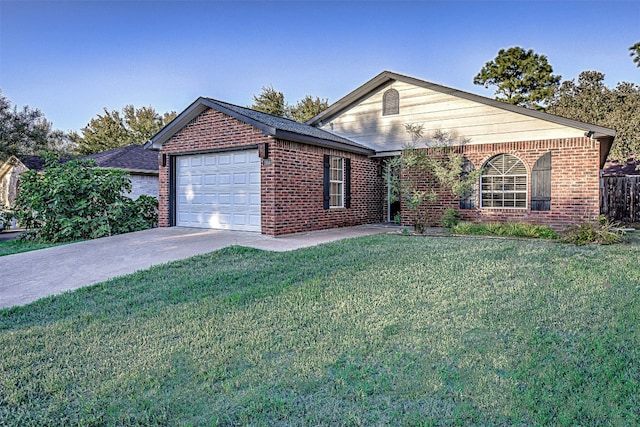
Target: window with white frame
503,183
336,182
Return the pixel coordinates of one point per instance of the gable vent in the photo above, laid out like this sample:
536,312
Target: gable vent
390,102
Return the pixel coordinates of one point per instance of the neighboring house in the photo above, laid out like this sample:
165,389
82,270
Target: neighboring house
141,164
10,172
226,166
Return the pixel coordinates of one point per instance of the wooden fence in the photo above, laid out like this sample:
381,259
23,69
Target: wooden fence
620,198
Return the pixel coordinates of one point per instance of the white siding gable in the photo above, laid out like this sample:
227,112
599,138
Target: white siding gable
481,123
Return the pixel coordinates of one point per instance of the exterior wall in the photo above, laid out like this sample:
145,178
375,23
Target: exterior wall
481,123
143,184
291,177
296,175
575,192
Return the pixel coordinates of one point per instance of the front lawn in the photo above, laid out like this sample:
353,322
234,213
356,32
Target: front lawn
10,247
380,330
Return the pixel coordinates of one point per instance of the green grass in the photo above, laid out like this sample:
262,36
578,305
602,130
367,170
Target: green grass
380,330
16,246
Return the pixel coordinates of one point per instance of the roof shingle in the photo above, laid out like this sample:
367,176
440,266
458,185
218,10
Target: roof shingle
133,158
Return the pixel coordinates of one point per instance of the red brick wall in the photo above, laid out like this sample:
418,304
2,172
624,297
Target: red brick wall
297,197
292,178
575,192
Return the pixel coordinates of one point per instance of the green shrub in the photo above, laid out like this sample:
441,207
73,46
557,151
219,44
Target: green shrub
450,218
509,229
6,217
600,231
75,200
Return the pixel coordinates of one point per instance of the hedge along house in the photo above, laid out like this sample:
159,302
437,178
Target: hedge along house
536,167
225,166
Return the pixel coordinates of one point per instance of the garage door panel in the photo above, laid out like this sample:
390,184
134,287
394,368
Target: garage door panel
223,159
254,200
240,178
210,179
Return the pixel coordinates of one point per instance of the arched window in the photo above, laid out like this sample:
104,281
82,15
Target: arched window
390,102
468,200
541,184
503,183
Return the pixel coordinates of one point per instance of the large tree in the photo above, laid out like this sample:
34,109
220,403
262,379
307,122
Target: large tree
307,108
26,131
521,77
115,129
635,53
591,101
272,101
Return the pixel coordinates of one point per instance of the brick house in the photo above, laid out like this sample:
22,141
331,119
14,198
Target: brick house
225,166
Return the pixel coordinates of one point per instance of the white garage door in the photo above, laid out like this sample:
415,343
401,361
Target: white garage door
220,190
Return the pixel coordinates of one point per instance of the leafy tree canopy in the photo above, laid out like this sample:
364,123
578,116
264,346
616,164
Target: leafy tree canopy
307,108
272,102
115,129
522,77
26,131
635,53
589,100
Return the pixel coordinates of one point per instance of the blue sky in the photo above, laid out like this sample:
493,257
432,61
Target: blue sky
72,58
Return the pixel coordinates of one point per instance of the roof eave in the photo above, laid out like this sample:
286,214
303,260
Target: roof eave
306,139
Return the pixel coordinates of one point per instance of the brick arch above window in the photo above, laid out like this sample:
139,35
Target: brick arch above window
503,183
390,102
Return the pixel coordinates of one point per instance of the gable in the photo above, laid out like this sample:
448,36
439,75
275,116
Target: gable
359,116
267,124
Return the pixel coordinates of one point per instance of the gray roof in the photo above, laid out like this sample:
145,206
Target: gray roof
270,125
132,158
386,77
617,168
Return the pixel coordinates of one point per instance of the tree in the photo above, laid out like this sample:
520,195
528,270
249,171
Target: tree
591,101
522,77
307,108
26,131
421,175
635,53
75,200
271,101
115,129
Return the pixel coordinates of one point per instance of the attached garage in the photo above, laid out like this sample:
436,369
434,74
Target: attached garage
218,190
223,166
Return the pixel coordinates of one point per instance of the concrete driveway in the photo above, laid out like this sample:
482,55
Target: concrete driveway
29,276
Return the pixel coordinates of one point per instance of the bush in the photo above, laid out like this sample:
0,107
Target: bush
75,200
509,229
450,218
600,231
6,218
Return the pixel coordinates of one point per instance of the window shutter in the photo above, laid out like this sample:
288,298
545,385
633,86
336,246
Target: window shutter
347,183
326,186
541,184
467,201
